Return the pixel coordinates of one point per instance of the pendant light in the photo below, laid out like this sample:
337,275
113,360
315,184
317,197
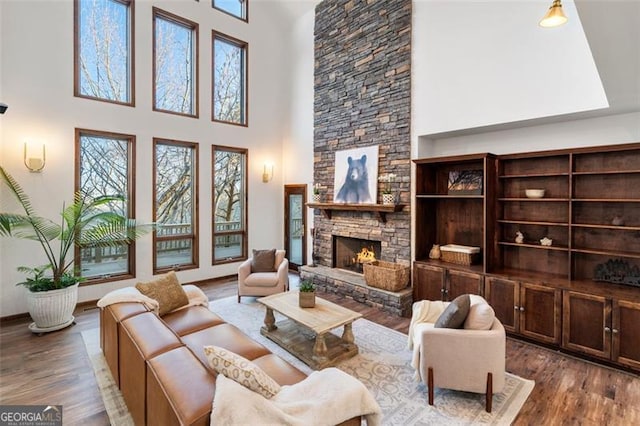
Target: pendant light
554,16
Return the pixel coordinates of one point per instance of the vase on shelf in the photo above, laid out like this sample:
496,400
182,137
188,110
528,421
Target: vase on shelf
388,198
316,198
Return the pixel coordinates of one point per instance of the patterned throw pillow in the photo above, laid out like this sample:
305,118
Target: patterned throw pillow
454,314
241,370
166,289
263,260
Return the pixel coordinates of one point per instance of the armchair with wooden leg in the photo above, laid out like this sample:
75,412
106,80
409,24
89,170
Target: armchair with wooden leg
465,359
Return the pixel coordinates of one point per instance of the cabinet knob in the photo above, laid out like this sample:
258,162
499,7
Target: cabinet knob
615,331
521,308
442,290
515,308
607,329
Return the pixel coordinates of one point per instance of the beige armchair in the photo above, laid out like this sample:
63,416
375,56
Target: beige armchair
464,359
263,283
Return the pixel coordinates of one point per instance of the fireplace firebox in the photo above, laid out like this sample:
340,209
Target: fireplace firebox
350,253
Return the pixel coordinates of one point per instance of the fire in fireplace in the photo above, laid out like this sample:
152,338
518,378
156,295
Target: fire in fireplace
351,253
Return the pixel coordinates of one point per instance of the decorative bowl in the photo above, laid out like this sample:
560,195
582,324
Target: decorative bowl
534,193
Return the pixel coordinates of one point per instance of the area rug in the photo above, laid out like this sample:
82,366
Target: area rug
383,365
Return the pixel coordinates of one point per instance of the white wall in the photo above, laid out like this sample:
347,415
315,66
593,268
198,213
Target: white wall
609,130
36,44
298,146
479,63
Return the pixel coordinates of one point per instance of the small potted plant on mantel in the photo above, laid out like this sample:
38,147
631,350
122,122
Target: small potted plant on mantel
387,195
86,222
307,294
316,192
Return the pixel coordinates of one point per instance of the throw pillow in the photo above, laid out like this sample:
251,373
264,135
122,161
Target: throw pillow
241,370
165,289
480,317
454,314
263,260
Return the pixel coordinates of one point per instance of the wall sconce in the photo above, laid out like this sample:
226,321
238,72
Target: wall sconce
35,164
554,16
267,173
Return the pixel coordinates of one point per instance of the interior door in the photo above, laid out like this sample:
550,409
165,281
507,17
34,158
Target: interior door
295,238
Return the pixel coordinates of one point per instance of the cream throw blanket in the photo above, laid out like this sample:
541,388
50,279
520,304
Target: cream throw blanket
131,294
325,397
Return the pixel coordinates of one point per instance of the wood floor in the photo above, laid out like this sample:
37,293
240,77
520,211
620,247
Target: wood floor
54,369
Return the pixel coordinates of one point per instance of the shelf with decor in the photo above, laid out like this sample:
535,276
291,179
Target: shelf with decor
581,290
380,210
452,200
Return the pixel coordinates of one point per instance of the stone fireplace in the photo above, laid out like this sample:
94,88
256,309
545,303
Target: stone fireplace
362,98
351,253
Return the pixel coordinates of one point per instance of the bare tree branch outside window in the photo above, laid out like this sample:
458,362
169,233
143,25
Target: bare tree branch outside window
175,44
104,57
229,217
175,209
104,170
229,80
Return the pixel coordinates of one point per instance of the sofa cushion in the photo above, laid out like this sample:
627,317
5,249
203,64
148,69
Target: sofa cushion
480,317
454,314
262,279
166,289
227,336
263,261
241,370
190,320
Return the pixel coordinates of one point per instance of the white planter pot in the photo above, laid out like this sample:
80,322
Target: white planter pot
388,199
52,310
316,198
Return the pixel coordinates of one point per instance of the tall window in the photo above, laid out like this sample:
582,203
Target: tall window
229,204
175,205
104,168
237,8
229,79
103,63
175,61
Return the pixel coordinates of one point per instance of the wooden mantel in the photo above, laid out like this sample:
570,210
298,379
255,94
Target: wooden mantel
380,209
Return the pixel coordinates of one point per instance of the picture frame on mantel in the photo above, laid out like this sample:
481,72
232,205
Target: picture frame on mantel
356,176
465,182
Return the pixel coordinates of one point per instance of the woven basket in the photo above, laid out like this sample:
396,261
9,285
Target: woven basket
461,255
386,275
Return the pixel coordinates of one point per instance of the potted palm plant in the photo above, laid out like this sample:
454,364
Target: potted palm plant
86,222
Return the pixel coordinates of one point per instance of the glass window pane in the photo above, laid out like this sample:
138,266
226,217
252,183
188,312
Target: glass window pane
237,8
175,215
104,170
173,253
174,53
227,247
295,229
229,209
104,65
228,81
229,191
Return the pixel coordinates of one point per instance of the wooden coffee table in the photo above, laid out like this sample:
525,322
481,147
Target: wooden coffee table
306,331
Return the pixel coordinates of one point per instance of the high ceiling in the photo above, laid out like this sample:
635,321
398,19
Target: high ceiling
612,28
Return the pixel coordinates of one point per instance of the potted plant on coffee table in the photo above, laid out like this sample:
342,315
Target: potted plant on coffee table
307,295
86,222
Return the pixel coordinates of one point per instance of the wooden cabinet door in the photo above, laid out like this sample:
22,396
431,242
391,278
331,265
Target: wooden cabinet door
428,282
625,333
540,308
585,320
459,282
502,295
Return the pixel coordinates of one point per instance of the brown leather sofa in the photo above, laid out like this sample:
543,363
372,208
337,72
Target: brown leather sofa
160,367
